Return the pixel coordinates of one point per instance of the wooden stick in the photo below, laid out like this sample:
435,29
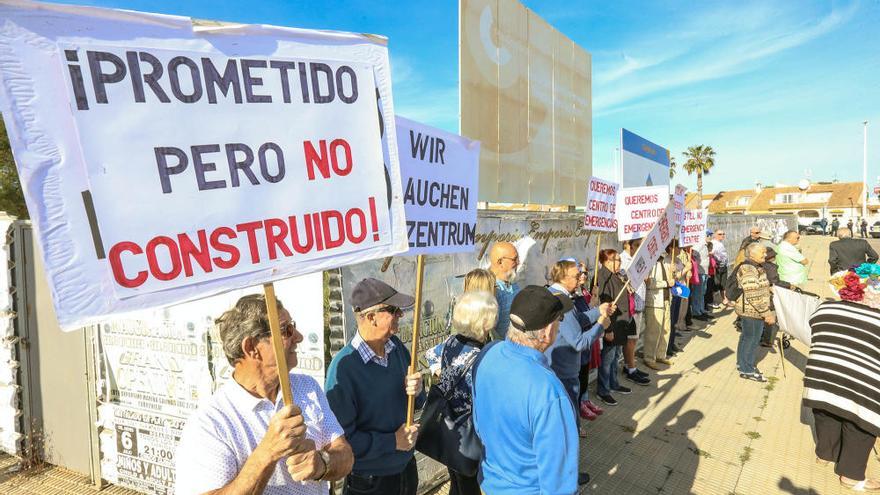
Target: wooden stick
414,347
596,266
781,354
620,293
278,343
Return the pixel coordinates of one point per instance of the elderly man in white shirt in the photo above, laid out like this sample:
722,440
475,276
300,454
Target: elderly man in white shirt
244,440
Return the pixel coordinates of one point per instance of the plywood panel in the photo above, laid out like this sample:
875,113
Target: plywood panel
513,99
540,161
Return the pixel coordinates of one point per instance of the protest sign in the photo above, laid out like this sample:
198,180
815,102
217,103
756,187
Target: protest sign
678,199
653,246
601,205
693,229
439,175
165,165
638,208
642,163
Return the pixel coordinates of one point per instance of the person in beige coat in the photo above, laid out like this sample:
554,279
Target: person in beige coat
657,314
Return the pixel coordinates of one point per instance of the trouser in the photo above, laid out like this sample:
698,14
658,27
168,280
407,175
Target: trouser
769,333
842,442
675,310
683,306
709,294
608,370
584,381
460,484
698,299
747,348
656,332
403,483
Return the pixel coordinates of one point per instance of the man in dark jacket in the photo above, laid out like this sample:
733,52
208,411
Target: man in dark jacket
847,251
772,272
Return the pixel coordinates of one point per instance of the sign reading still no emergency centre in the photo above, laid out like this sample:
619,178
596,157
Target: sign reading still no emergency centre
163,160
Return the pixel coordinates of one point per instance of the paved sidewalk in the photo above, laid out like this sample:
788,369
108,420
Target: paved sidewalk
698,428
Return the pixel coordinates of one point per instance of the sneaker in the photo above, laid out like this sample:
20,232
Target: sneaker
642,373
757,377
622,390
607,399
666,361
636,378
583,479
587,414
593,407
653,365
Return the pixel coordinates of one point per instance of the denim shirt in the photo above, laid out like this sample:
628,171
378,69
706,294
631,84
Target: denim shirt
504,294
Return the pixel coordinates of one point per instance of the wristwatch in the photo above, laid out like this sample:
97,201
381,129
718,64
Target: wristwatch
325,456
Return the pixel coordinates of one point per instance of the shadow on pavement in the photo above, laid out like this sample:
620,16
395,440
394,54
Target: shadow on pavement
787,486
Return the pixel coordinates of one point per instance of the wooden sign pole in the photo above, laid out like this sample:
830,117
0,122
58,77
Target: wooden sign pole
278,343
414,348
596,266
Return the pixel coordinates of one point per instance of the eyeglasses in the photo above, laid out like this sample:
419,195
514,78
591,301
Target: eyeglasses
515,259
394,310
288,329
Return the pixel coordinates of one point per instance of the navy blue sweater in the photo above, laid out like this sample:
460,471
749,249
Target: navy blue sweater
369,401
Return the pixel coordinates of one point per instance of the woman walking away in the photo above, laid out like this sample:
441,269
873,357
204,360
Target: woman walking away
474,315
842,378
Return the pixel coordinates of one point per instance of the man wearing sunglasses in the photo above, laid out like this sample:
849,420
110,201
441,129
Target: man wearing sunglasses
368,389
245,440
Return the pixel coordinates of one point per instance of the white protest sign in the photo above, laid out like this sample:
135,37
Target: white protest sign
678,199
601,205
693,229
439,176
637,210
653,246
163,161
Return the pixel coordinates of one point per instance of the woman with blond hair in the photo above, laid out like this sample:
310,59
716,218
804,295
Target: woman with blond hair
479,280
473,317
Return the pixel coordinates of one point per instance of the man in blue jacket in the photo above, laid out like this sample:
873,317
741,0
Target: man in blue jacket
522,413
367,389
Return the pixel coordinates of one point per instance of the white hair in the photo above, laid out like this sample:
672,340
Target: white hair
475,314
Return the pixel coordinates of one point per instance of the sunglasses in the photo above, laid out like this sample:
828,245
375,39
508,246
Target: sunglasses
394,310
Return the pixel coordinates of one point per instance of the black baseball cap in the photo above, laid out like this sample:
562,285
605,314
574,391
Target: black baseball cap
535,307
370,292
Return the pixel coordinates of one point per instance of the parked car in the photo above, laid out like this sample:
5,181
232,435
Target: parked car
813,228
875,230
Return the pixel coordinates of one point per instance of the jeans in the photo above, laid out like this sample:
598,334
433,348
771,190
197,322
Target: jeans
698,297
404,483
746,349
769,334
608,370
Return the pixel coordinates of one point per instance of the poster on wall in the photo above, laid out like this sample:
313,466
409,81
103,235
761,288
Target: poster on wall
163,166
440,175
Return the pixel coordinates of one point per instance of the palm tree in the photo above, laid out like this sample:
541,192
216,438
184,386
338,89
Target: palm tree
671,167
700,159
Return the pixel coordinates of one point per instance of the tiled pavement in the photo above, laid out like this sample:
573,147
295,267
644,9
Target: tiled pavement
698,428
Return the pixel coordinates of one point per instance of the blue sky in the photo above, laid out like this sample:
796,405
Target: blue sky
777,88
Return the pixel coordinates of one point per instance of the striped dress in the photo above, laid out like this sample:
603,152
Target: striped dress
843,370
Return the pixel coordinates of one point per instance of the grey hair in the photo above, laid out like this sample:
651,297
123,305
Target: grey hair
475,314
512,331
751,248
248,318
843,233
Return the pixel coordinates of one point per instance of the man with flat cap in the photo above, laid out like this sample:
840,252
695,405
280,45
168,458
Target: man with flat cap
522,413
367,388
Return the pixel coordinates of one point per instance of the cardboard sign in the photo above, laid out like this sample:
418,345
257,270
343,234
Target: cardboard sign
693,229
178,161
678,200
653,246
440,175
601,205
638,208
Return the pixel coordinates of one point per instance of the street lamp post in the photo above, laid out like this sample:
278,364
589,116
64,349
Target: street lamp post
865,171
